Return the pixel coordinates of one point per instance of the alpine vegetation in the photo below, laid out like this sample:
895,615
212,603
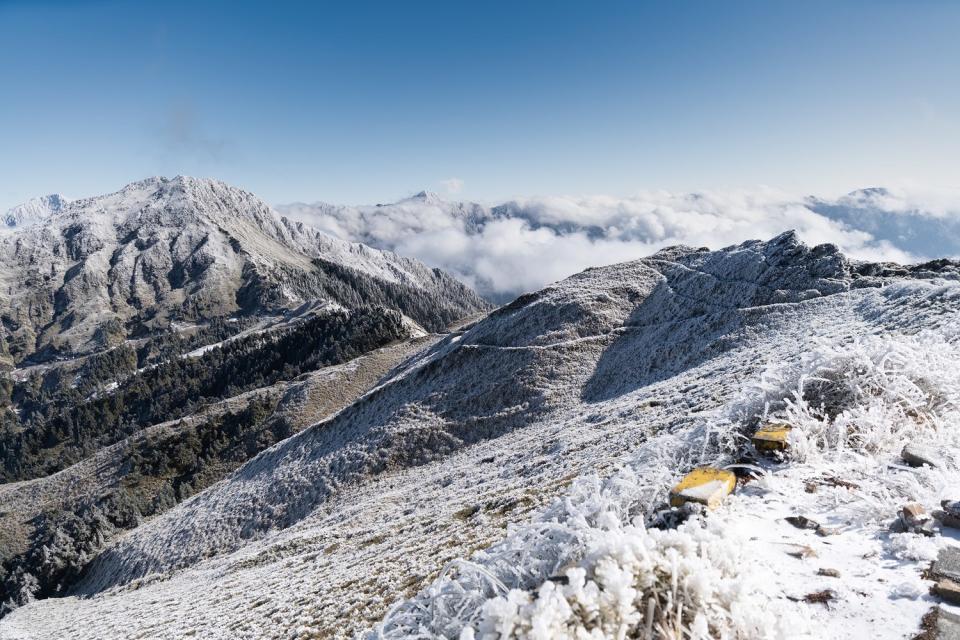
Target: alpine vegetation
612,573
511,476
702,392
634,582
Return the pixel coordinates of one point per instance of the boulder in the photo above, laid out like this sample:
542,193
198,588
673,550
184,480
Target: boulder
947,564
947,519
948,626
918,455
948,590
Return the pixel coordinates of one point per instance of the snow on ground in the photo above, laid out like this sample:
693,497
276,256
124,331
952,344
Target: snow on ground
563,420
746,571
311,397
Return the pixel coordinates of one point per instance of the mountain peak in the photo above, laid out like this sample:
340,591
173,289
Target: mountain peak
179,181
34,210
162,248
870,192
425,196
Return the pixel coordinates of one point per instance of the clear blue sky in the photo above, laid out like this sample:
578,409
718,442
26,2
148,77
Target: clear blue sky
367,102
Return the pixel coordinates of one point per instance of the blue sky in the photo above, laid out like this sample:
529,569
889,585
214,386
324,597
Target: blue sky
368,102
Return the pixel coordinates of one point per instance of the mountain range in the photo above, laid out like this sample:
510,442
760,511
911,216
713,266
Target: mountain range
227,424
86,274
157,337
521,245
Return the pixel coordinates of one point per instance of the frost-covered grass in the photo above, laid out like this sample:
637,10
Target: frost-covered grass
622,379
589,568
690,582
863,398
854,406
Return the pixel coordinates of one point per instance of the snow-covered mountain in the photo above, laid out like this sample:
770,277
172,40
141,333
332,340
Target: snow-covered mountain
33,211
423,212
86,274
497,483
156,338
913,227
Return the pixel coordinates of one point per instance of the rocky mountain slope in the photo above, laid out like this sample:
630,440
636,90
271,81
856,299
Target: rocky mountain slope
84,275
522,440
156,338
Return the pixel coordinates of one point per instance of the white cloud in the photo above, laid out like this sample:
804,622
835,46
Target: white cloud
452,185
527,243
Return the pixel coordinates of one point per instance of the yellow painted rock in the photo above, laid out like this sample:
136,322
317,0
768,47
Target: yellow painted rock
706,485
772,437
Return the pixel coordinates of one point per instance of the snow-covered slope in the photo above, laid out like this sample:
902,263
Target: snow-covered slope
88,273
648,367
94,480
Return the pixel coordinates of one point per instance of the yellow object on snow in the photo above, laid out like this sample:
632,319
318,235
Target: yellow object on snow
772,437
706,485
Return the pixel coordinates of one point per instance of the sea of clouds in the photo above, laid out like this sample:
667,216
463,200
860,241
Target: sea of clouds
526,243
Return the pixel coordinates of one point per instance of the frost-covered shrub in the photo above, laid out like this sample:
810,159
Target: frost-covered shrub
690,582
849,403
594,537
866,397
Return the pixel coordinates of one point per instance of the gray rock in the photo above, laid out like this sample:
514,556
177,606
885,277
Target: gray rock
948,564
950,516
948,626
803,522
929,528
947,519
917,455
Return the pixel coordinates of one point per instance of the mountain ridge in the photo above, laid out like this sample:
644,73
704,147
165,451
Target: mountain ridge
608,357
34,210
105,268
160,329
364,511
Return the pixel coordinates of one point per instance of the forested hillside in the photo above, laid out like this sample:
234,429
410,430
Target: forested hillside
219,406
51,430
